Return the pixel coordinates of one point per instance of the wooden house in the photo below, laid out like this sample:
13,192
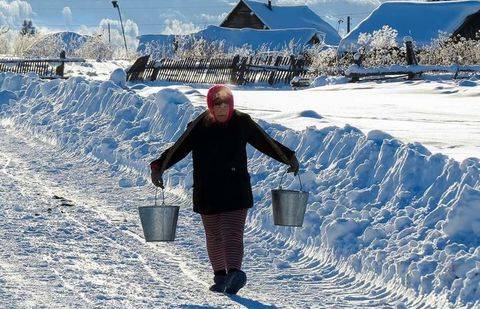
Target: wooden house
265,15
422,21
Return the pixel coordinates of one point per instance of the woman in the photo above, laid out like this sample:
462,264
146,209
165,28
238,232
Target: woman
222,192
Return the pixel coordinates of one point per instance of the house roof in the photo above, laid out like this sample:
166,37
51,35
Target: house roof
66,40
420,20
164,41
284,17
236,38
276,39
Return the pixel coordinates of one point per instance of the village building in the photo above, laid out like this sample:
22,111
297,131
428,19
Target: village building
451,17
266,16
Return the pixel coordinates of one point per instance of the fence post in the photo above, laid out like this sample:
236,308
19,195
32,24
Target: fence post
156,68
234,69
357,60
240,75
137,68
59,71
410,54
295,65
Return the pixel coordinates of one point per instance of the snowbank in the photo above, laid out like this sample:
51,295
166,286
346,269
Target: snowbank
119,77
328,80
376,204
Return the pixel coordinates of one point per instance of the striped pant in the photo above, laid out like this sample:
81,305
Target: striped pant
224,237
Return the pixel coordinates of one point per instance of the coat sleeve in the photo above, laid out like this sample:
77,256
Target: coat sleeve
258,138
179,150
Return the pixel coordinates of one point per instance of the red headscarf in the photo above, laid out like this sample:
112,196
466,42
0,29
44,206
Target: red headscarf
220,91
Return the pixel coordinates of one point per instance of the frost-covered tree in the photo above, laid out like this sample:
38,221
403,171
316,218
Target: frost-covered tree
326,61
48,45
96,48
28,28
244,51
380,48
4,40
22,44
192,47
448,50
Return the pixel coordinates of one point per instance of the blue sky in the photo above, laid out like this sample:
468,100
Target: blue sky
155,16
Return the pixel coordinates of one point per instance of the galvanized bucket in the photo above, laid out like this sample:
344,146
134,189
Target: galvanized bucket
289,206
159,223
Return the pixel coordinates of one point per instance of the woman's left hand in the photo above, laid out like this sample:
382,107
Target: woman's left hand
157,179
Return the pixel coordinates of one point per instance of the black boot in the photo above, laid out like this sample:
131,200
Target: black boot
219,280
236,279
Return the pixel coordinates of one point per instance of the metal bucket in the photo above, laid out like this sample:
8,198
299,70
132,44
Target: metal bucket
159,223
289,206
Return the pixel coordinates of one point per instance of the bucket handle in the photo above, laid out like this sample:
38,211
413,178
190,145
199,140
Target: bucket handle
163,193
281,180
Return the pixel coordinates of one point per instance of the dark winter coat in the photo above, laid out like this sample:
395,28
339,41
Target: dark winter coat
221,181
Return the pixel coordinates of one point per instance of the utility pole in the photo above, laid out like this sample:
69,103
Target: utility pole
109,35
115,5
348,24
339,22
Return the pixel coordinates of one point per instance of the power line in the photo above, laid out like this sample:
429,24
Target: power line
98,24
349,14
185,7
167,7
127,8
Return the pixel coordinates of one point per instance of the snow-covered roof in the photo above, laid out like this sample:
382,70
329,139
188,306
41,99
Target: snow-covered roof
64,40
236,38
156,39
284,17
276,39
421,20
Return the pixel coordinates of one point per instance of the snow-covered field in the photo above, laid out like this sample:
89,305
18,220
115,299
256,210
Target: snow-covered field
388,223
95,70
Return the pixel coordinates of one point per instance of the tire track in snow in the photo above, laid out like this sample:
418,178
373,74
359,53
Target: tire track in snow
107,237
19,283
92,222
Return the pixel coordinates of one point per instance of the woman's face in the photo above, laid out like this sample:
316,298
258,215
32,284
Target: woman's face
220,108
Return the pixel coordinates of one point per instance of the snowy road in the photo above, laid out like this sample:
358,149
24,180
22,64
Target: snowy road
71,238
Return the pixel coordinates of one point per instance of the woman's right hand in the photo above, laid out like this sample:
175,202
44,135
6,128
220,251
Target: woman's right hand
294,166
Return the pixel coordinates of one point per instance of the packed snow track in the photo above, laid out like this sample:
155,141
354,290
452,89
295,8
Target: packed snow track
71,238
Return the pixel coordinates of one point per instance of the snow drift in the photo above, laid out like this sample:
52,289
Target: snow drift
378,205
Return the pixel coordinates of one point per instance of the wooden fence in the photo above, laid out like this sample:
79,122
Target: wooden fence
355,73
45,68
269,69
411,70
265,69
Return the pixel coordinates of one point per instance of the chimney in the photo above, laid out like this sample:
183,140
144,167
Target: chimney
269,5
